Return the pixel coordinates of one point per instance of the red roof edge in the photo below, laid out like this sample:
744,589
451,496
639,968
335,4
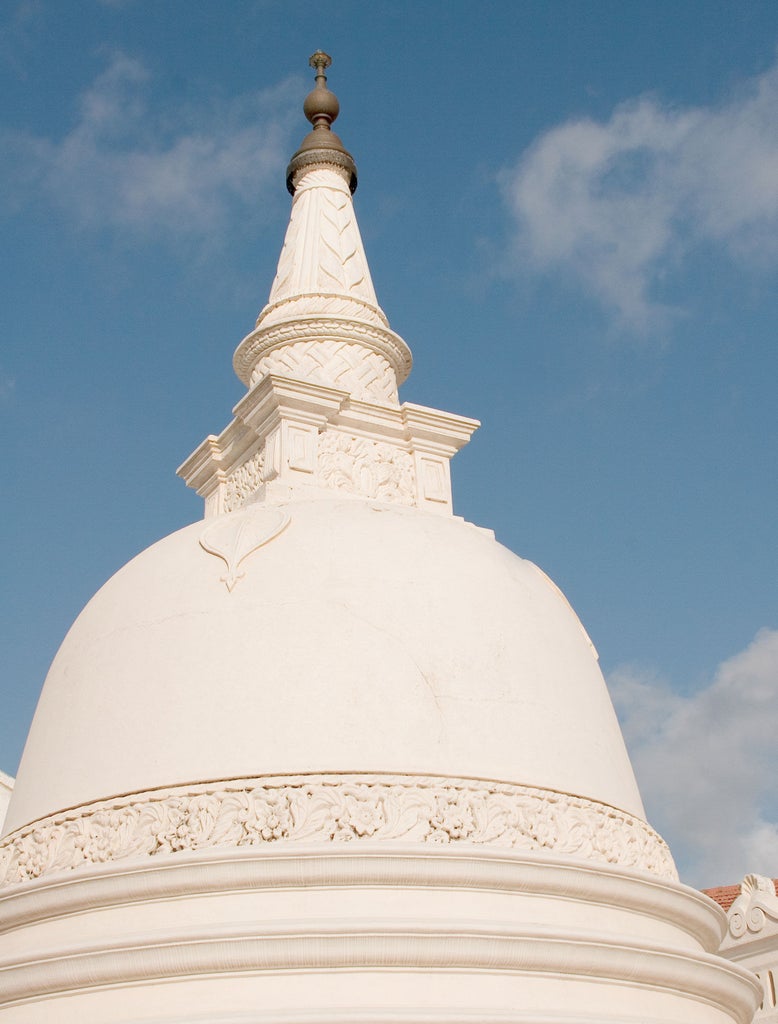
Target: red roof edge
725,895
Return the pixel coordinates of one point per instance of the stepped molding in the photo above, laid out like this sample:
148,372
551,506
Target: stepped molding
320,304
455,867
382,944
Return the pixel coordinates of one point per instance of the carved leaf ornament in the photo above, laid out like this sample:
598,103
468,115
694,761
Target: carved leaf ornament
323,223
371,468
234,537
244,481
323,809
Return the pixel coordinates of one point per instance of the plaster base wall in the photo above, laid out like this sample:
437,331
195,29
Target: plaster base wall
364,931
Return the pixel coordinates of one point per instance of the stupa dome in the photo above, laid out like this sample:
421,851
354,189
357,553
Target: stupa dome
360,637
332,753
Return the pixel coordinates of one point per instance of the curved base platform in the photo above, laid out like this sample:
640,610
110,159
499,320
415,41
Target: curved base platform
374,931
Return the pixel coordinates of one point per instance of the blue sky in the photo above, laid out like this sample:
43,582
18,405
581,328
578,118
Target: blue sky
571,215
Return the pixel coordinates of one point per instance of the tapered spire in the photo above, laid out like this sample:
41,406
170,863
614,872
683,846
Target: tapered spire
322,321
322,366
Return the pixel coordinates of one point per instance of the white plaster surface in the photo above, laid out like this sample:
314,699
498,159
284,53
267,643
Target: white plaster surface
361,638
389,933
323,255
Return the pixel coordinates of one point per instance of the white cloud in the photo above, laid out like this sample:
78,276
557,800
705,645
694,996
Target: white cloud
172,167
618,205
707,763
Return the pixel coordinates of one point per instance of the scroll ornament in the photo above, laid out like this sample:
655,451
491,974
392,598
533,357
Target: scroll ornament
327,809
757,901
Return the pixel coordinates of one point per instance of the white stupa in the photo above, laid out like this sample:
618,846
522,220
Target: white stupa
334,754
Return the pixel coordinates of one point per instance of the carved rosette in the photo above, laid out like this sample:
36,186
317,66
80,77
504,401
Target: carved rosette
325,809
373,469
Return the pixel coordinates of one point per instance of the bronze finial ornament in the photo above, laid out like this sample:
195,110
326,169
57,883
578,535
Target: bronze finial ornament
321,145
321,106
320,61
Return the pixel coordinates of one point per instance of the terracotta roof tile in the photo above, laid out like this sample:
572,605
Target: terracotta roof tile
725,895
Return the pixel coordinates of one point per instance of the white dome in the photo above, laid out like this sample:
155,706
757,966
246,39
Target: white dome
363,637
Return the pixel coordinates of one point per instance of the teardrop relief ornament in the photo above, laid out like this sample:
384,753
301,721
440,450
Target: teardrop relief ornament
234,537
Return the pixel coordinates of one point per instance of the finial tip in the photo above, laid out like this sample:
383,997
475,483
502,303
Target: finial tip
320,60
321,106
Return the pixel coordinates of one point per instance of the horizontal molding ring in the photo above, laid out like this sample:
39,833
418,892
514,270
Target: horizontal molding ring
308,947
262,341
347,866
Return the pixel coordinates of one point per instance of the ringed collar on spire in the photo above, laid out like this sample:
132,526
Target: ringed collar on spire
322,145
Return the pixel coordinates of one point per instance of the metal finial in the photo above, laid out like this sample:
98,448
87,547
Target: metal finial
320,61
322,145
321,106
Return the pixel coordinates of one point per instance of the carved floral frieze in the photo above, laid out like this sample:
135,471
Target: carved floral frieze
373,469
325,809
244,481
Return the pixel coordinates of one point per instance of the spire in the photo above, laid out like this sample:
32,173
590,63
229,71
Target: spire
322,321
322,366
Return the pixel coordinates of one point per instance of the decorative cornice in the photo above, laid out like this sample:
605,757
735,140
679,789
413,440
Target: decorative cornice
266,810
283,421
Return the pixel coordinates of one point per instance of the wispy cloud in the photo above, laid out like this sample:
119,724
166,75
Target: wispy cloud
617,205
19,25
151,167
706,764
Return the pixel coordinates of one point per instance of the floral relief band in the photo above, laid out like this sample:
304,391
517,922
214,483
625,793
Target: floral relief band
315,809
